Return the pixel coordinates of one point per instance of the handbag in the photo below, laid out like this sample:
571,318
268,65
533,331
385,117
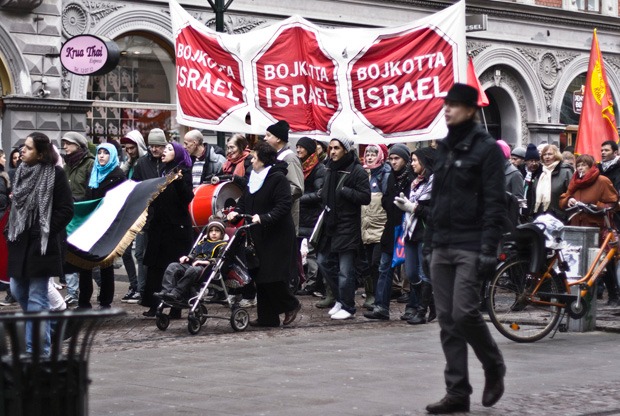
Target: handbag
318,230
398,257
251,257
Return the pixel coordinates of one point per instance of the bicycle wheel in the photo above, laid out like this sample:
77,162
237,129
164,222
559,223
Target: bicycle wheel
514,312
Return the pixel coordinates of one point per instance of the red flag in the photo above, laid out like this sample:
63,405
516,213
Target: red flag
472,80
598,122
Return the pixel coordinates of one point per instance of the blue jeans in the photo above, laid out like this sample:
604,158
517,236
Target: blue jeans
130,268
32,296
413,270
338,271
73,283
383,292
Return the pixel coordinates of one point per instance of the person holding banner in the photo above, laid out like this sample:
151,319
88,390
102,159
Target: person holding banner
41,208
169,228
460,244
106,175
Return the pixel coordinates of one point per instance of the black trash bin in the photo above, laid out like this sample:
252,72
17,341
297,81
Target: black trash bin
34,384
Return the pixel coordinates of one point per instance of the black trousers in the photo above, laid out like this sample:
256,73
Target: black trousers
273,299
86,287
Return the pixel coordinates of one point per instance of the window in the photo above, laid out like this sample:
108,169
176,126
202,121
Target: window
145,74
593,6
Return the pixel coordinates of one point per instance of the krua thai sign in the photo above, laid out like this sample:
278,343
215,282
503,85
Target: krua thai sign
89,55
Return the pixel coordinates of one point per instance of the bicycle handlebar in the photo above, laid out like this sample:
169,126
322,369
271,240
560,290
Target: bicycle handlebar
588,208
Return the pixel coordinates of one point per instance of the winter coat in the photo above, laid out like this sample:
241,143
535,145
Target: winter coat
373,214
111,181
169,229
423,213
25,259
468,196
601,193
394,214
353,191
560,178
613,173
274,237
4,192
514,180
310,203
148,167
79,175
295,176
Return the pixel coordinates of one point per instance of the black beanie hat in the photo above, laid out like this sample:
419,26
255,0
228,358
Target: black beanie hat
280,130
308,144
463,93
401,150
531,152
426,156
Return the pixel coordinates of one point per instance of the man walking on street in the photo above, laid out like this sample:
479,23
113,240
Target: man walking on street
467,216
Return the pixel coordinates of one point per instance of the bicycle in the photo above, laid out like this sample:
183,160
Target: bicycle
527,298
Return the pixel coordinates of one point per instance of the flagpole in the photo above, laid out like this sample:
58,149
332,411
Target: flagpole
484,119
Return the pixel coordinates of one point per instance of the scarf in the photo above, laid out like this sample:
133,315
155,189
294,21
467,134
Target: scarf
331,184
182,159
75,158
380,157
400,177
308,165
420,191
99,173
235,166
33,191
543,188
257,179
606,165
584,181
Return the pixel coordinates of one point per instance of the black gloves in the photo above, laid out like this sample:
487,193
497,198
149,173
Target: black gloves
487,261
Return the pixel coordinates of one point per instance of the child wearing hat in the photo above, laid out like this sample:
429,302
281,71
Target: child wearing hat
179,278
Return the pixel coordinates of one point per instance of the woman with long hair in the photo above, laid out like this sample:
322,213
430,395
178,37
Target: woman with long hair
105,175
41,207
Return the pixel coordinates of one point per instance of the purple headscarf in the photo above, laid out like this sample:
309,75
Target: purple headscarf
181,158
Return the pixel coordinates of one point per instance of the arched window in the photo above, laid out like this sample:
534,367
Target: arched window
139,94
570,112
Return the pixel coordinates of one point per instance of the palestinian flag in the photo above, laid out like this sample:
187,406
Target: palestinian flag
102,230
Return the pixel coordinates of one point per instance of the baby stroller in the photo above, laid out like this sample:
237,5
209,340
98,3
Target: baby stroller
230,271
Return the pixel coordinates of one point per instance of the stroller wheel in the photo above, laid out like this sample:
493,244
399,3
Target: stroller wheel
201,313
193,325
239,319
162,321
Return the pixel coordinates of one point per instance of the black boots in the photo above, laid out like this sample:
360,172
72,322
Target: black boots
449,404
426,301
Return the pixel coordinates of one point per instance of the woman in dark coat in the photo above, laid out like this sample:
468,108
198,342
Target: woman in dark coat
268,199
169,227
105,175
42,207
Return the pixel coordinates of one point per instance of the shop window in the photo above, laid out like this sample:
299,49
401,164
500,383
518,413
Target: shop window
137,95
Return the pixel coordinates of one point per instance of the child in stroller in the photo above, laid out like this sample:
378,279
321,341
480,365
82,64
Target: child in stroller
180,278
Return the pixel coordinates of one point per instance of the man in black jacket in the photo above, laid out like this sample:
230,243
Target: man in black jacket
468,208
345,190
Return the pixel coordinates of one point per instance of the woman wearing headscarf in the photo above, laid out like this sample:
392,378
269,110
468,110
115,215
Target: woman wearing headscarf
105,175
268,199
374,217
552,182
417,211
169,227
41,208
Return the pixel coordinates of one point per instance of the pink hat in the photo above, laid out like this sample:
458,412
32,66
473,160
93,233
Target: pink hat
505,148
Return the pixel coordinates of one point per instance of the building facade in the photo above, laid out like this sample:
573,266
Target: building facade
531,59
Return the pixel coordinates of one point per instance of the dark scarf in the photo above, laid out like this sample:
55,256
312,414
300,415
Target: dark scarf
585,181
309,164
458,133
75,158
33,192
400,177
332,183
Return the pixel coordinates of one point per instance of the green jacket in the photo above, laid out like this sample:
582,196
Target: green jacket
79,175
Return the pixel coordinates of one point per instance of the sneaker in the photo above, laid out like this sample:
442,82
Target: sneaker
247,303
8,301
342,315
337,307
71,300
128,295
135,298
